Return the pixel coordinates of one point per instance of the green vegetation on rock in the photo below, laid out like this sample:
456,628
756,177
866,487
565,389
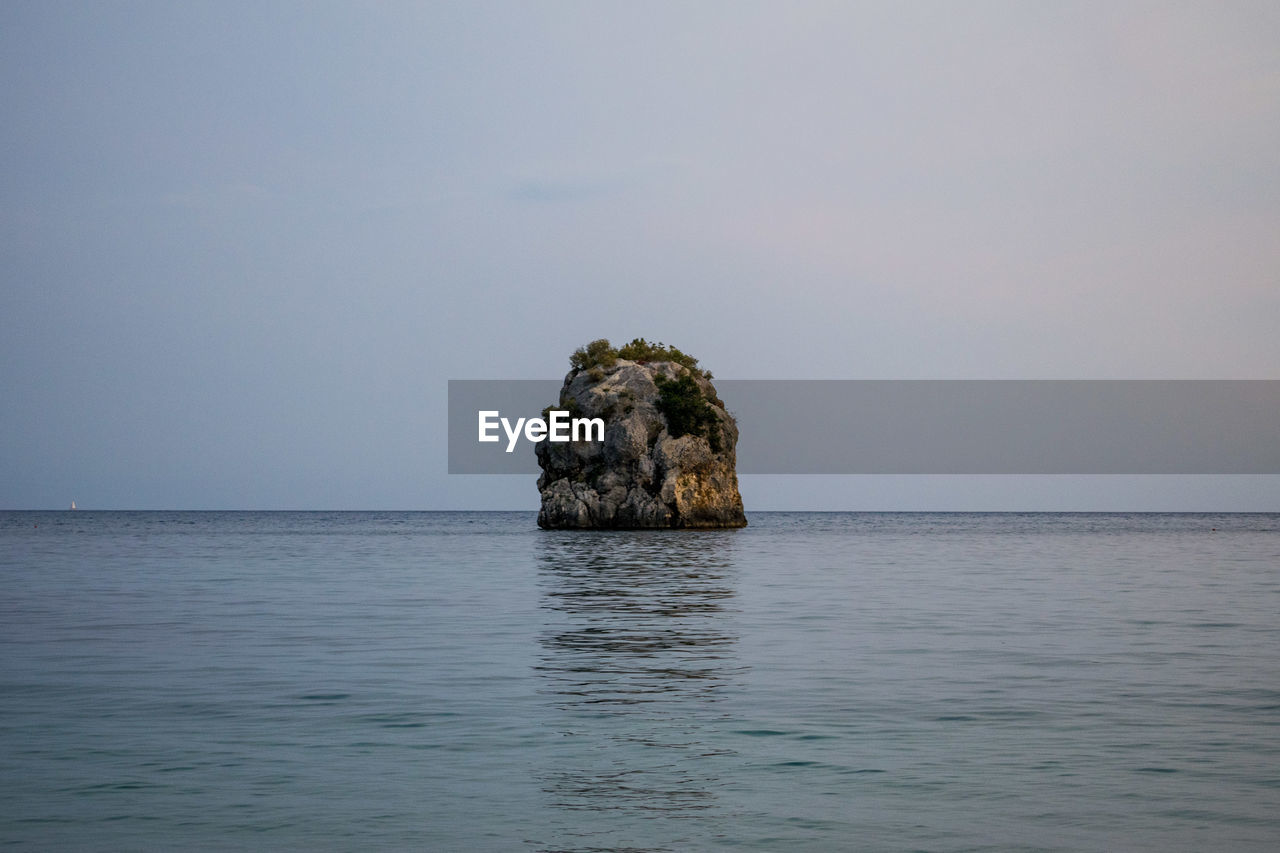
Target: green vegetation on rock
601,354
598,353
686,409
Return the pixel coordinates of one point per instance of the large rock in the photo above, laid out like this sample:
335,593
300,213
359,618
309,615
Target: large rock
641,475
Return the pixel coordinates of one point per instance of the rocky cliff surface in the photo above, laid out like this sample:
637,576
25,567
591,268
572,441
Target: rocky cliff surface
668,455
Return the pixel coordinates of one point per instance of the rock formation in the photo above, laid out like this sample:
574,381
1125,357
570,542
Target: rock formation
668,456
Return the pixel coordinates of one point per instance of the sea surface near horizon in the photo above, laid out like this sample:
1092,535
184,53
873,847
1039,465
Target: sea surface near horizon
465,681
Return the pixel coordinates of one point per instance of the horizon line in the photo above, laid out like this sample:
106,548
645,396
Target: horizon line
757,511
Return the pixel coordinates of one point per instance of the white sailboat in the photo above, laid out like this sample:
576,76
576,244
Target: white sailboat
73,504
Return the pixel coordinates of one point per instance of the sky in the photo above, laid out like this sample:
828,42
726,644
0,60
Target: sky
246,245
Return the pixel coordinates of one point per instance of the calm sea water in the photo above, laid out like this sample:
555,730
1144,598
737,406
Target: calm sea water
464,681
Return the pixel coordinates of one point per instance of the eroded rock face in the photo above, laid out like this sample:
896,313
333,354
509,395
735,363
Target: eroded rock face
640,475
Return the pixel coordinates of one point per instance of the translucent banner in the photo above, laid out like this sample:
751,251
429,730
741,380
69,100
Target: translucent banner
932,426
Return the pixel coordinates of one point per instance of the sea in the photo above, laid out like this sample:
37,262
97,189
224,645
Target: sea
463,681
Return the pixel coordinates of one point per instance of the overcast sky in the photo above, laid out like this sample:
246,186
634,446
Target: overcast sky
245,245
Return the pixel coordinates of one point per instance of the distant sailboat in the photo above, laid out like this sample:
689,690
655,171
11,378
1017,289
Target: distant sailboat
73,504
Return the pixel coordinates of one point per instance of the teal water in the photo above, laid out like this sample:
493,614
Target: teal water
465,681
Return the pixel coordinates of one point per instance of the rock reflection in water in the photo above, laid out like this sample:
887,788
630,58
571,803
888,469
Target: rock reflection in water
637,649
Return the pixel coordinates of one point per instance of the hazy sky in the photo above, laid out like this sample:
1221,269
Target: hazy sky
245,245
